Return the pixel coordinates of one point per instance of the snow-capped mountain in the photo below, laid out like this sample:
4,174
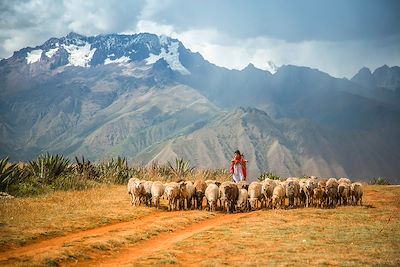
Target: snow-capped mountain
80,51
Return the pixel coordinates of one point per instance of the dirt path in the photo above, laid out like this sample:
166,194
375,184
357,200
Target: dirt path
160,242
58,242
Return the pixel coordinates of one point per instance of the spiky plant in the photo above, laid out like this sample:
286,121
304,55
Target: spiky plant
8,174
181,168
47,168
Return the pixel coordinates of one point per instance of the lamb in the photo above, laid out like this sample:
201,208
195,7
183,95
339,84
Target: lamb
331,192
200,188
255,195
211,195
356,193
172,193
343,193
157,191
267,188
147,192
232,195
242,203
278,196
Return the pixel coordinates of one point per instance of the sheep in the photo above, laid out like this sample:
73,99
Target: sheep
131,183
137,191
211,195
356,193
172,193
319,196
307,191
278,196
242,202
343,193
344,180
322,182
208,182
147,192
243,184
200,188
331,192
186,194
292,191
157,191
267,188
222,197
255,195
232,195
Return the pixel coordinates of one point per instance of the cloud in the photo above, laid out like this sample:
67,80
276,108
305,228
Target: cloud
31,22
292,21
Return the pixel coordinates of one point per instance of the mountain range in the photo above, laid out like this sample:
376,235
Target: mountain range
149,98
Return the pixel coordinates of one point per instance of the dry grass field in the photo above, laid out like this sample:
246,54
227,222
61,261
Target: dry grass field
99,227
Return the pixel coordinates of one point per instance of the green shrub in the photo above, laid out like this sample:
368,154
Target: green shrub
379,181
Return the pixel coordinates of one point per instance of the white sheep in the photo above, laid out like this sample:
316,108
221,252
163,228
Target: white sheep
211,195
278,196
242,203
255,196
157,191
267,188
172,193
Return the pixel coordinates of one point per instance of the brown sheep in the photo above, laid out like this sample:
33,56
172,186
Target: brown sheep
232,195
356,193
200,188
343,193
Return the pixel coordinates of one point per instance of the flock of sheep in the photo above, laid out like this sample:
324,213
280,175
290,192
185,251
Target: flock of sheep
231,197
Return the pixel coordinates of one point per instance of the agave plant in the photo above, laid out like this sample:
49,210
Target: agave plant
7,174
181,169
48,167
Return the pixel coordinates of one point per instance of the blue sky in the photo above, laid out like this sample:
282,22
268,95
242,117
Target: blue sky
338,37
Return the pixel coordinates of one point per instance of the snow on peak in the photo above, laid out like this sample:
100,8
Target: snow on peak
121,60
271,67
79,55
51,52
34,56
171,57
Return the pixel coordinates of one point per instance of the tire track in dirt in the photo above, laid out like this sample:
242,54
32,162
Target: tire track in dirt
58,242
160,242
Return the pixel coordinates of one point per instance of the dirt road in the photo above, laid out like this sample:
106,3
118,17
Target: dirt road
125,254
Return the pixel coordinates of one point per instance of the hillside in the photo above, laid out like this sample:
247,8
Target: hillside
148,98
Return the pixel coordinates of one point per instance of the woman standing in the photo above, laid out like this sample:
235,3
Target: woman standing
238,167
